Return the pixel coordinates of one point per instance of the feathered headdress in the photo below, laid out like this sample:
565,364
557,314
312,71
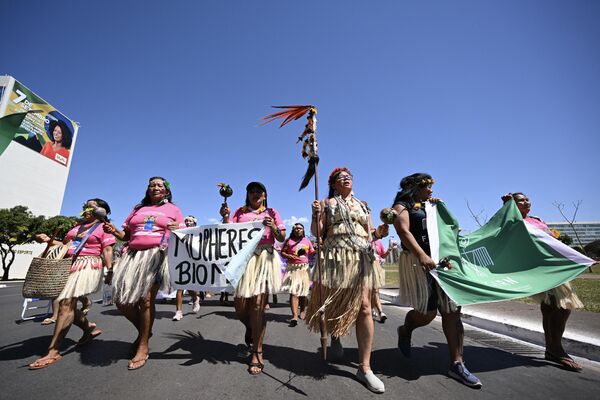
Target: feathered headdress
308,136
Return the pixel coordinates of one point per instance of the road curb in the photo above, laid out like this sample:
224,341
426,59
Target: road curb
574,343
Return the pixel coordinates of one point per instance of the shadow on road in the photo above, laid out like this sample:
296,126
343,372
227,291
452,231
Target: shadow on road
434,359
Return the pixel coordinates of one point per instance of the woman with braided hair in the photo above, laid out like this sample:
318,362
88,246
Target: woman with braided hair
350,271
143,270
417,287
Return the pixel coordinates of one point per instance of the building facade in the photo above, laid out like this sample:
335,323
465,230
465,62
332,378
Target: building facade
587,231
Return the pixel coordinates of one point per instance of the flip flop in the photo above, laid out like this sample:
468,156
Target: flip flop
89,336
293,323
44,362
140,363
48,321
565,361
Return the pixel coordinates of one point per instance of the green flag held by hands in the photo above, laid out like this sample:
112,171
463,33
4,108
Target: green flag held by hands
505,259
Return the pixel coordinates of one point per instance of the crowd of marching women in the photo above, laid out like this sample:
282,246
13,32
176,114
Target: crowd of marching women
342,293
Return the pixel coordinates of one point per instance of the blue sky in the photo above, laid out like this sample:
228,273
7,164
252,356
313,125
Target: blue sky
488,97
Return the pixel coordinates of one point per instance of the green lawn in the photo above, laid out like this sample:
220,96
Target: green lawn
391,275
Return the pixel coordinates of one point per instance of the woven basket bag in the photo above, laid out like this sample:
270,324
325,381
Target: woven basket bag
47,276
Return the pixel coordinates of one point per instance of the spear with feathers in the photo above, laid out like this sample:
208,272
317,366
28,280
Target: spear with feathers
309,153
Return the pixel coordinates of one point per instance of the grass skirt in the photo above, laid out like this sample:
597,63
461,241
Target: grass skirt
85,277
262,274
296,280
414,288
346,272
137,271
563,296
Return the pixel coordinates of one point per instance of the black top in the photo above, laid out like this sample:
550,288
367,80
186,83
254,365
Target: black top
418,225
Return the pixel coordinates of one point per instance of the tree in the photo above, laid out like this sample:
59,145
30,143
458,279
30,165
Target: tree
593,249
17,226
58,225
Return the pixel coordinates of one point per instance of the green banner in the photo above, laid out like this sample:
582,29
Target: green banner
505,259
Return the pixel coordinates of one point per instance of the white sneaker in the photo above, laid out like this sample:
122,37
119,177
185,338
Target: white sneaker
372,382
178,315
196,307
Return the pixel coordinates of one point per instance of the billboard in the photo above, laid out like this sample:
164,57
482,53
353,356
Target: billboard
35,165
49,132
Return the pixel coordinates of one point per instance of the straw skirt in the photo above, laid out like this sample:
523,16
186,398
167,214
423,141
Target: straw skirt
137,271
415,288
85,277
296,280
562,296
346,272
262,274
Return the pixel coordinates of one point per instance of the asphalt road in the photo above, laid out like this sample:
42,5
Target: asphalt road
202,356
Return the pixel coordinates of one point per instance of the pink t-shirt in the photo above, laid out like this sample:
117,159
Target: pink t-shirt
538,223
97,241
147,225
292,246
379,250
247,215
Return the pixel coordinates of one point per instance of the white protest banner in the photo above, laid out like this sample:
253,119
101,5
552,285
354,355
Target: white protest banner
207,257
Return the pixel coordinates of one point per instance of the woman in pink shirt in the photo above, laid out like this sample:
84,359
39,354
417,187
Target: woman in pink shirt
263,272
143,270
91,249
556,304
296,250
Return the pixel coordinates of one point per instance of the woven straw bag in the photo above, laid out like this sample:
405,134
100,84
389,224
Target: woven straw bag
47,276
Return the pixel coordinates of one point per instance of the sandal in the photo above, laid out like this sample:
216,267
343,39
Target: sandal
44,362
140,363
293,323
565,361
48,321
255,368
